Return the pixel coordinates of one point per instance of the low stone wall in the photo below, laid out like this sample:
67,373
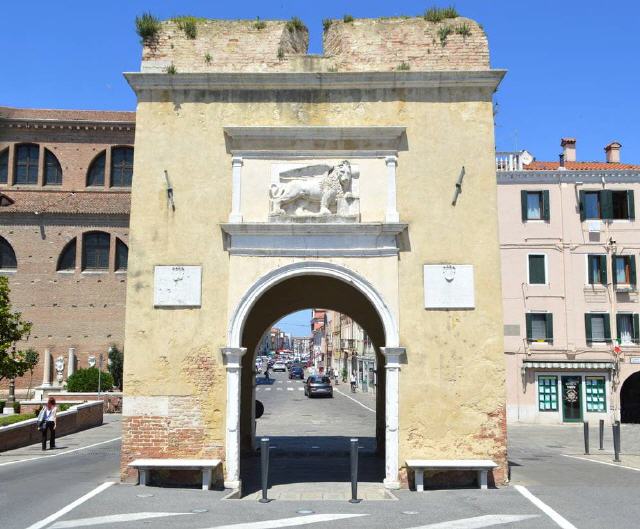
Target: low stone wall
78,418
112,401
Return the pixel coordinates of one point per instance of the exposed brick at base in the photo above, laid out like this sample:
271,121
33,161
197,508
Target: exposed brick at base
158,437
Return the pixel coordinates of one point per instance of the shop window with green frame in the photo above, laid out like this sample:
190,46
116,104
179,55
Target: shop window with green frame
547,393
595,390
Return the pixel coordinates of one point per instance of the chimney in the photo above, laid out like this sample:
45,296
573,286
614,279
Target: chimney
612,152
568,149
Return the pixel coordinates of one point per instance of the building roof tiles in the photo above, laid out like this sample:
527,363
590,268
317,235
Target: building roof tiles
580,166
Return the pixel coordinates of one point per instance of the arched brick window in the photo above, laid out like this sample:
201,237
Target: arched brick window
52,169
7,256
95,174
67,258
26,163
95,250
121,166
122,255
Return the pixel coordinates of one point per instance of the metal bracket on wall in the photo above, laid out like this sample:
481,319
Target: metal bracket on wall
169,191
458,187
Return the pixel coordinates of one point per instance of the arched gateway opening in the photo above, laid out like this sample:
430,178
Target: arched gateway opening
630,399
289,289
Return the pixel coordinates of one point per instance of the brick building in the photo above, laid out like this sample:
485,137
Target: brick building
65,179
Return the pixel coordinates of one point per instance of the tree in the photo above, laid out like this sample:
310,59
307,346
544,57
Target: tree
116,362
31,357
13,328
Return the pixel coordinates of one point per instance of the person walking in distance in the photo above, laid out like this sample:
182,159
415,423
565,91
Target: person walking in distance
353,382
47,422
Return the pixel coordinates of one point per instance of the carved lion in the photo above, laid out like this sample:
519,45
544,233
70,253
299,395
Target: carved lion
304,193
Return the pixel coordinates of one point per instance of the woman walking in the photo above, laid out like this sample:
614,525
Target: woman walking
47,421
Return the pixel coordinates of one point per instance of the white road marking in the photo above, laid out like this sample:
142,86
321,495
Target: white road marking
114,518
601,462
557,518
279,389
289,389
478,522
71,506
60,453
354,400
267,389
300,389
289,522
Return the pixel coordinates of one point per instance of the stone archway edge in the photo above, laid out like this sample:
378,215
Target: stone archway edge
233,360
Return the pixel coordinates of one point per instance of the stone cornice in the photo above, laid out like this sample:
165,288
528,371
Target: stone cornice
568,177
58,124
488,79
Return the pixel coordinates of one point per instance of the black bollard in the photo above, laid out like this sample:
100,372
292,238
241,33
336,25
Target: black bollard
586,437
354,472
264,467
601,434
616,441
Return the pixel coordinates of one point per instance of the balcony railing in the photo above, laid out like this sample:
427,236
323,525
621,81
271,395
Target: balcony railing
510,161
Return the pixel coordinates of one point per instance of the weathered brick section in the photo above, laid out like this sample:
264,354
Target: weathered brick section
225,45
383,44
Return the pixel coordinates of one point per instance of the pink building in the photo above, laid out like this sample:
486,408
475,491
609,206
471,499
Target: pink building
570,243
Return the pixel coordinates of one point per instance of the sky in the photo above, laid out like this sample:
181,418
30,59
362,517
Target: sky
573,65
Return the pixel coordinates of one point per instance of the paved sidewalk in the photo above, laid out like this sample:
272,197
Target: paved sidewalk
323,491
110,430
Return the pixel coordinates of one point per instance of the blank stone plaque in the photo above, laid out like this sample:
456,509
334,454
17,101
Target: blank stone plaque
449,287
177,286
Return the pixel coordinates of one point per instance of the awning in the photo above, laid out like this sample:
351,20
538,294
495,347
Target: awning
551,364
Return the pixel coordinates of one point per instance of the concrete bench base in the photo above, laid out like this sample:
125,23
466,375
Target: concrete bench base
481,466
206,465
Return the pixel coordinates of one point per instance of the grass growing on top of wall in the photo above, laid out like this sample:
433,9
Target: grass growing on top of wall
12,419
188,24
295,24
147,27
438,14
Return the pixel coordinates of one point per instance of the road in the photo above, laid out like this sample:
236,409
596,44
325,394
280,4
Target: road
549,487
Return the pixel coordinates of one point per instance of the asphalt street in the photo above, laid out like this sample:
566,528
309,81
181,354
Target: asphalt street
549,486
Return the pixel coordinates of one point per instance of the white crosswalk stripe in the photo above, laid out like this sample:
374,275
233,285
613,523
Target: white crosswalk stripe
289,522
289,389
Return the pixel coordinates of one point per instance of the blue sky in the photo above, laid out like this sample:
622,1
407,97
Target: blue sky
574,65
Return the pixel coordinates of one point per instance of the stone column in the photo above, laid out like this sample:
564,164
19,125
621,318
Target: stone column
392,208
236,193
71,362
46,376
254,441
233,363
392,385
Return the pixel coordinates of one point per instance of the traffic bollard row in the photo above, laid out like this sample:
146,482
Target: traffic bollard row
616,441
601,434
354,471
264,467
586,437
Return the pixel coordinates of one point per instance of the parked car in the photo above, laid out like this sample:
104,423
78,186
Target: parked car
318,385
296,372
278,366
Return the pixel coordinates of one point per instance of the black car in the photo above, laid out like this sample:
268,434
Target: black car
296,372
318,385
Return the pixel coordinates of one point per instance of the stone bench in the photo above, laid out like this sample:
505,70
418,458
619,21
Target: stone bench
482,466
206,465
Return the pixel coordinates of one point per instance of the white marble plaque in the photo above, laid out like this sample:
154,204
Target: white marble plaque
449,287
177,286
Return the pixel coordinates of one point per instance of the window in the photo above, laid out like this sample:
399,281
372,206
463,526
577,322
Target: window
535,205
26,164
595,392
598,327
52,169
537,269
628,328
121,166
597,269
67,259
607,204
539,327
95,175
4,166
95,251
122,255
624,269
548,393
7,256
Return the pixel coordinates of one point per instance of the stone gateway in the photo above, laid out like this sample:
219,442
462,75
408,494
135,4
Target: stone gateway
314,181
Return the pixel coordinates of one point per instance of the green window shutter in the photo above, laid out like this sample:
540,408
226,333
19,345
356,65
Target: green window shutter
537,270
606,204
590,268
631,205
614,278
528,325
632,266
587,327
549,322
607,327
545,205
636,328
523,205
583,209
603,269
618,325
